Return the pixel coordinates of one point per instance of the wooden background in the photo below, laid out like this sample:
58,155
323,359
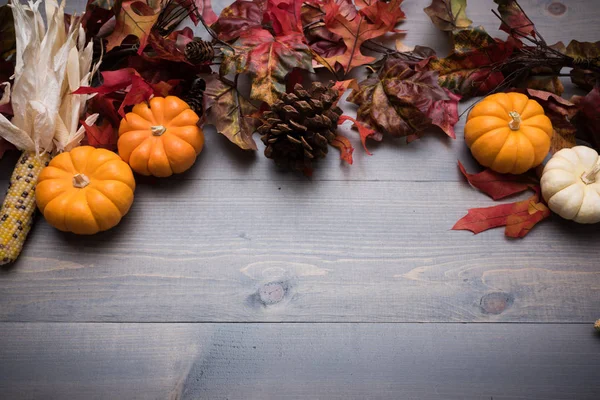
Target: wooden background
240,281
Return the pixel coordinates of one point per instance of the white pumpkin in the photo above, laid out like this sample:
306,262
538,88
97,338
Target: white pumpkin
571,184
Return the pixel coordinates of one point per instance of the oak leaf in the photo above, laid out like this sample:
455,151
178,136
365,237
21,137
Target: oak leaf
269,59
230,113
518,218
135,18
448,15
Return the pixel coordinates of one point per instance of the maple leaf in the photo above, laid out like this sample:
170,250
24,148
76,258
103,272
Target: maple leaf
134,18
514,20
343,145
469,69
448,15
269,59
230,113
560,111
364,132
518,218
588,116
240,17
372,21
101,136
496,185
403,101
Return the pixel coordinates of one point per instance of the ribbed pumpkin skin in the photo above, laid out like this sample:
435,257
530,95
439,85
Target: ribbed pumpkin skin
495,145
96,207
171,150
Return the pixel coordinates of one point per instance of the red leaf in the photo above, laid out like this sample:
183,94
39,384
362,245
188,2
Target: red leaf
589,113
444,113
240,17
104,136
516,23
202,7
112,82
495,185
140,91
293,78
371,22
518,218
343,86
167,48
343,145
284,16
364,131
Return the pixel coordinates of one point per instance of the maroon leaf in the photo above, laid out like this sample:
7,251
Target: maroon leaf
496,185
240,17
515,21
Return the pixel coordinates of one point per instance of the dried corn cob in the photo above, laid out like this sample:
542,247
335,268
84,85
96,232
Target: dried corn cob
16,214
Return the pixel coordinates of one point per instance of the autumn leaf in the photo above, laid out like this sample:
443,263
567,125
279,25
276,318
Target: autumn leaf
469,69
171,47
371,22
240,17
342,86
584,52
518,218
197,8
101,136
560,111
514,20
496,185
343,145
230,113
284,16
364,131
402,101
134,18
588,116
269,59
448,15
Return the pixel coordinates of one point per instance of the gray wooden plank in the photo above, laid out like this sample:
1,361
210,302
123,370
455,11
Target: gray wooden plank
298,251
285,361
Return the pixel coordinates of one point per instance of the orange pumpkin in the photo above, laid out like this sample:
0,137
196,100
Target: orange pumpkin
85,191
508,132
160,138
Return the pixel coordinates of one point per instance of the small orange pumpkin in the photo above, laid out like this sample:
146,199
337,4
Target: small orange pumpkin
85,191
508,132
161,139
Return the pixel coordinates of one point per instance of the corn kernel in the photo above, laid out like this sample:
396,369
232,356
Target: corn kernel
16,213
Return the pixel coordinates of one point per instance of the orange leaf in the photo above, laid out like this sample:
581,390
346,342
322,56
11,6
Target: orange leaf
343,145
134,18
372,21
364,131
518,217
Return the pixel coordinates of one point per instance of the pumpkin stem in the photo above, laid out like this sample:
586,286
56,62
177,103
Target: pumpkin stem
158,130
515,123
590,177
80,181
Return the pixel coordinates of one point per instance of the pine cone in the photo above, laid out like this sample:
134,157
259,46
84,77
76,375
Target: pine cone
194,96
199,51
299,127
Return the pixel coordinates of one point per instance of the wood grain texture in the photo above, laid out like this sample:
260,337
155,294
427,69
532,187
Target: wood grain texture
299,361
336,251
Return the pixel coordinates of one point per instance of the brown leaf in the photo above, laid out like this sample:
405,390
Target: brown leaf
514,20
269,59
496,185
448,15
230,113
584,53
588,116
518,218
403,101
134,18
